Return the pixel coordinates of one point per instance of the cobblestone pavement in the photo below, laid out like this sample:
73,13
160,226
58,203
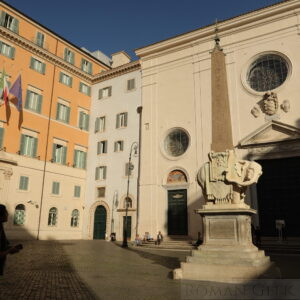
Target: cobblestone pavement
100,270
89,270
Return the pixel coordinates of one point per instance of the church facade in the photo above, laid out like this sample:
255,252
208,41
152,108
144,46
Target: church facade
262,66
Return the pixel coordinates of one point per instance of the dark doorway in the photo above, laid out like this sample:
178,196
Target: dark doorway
278,193
100,223
128,226
177,212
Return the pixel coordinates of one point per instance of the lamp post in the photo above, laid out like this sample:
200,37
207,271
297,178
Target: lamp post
114,205
134,146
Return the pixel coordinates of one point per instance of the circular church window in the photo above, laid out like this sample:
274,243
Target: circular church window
267,72
176,142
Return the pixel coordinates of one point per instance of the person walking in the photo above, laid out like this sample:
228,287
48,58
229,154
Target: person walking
159,238
4,245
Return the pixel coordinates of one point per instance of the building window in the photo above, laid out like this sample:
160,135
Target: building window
37,65
9,22
85,89
63,113
33,101
104,93
40,39
28,145
100,124
119,146
55,188
52,217
23,184
267,72
84,120
128,169
59,154
121,120
102,147
79,159
101,192
130,84
19,216
7,50
176,142
65,79
86,66
75,218
69,56
77,189
100,173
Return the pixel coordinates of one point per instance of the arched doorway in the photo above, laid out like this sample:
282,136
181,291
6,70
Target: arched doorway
100,223
177,203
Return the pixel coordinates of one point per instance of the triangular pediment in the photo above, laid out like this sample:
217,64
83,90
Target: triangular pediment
270,133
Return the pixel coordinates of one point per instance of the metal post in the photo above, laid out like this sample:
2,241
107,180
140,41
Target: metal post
133,145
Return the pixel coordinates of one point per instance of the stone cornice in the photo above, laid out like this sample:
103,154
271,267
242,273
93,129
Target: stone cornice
245,20
127,68
44,54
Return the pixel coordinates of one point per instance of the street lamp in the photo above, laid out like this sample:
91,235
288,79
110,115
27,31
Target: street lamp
134,147
114,205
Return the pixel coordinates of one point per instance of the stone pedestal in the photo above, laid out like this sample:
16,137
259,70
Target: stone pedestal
227,253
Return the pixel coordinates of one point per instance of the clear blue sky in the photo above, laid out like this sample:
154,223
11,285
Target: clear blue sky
115,25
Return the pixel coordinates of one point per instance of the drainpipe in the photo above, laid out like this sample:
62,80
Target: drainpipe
139,111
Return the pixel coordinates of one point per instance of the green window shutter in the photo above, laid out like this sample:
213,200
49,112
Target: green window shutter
89,91
2,18
15,25
12,53
104,172
118,121
40,101
64,155
71,81
65,54
109,91
1,136
98,147
68,115
26,180
54,152
100,94
57,110
61,77
97,124
81,116
53,187
22,144
1,47
72,58
40,39
84,160
75,158
122,145
31,63
43,68
35,144
115,146
90,68
21,183
82,62
125,119
80,86
87,121
97,173
105,146
27,98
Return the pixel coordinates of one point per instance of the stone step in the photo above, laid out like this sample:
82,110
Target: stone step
228,254
228,260
168,246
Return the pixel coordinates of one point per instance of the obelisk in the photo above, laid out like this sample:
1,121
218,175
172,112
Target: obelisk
221,120
227,253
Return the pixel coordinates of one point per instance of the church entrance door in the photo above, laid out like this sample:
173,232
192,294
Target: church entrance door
278,191
177,212
100,223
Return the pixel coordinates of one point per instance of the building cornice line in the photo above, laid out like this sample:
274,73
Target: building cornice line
43,53
271,12
127,68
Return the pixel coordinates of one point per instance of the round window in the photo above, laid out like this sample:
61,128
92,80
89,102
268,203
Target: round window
267,72
176,142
